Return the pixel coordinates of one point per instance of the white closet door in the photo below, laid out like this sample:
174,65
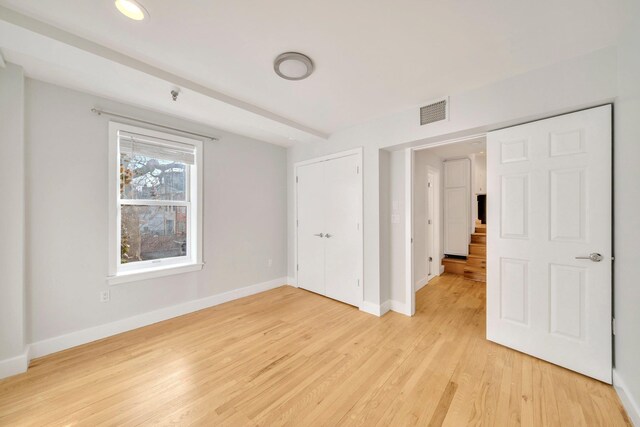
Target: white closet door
342,233
457,211
549,211
311,224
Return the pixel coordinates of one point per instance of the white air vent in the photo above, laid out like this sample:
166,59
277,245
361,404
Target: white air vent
434,112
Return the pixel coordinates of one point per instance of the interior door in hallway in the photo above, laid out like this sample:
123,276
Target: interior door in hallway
311,227
549,251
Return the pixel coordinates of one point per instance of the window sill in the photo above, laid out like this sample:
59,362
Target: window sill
136,276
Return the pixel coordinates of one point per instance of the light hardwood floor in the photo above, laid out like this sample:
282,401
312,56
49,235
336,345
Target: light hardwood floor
288,356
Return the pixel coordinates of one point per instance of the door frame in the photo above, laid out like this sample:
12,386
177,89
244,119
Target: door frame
359,153
410,294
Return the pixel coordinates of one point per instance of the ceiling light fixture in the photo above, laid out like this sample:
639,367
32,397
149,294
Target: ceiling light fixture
132,9
293,66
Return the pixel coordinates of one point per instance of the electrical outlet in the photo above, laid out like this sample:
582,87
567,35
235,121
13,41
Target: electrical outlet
105,296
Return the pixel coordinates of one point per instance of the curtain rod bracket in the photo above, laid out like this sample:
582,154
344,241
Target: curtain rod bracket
108,113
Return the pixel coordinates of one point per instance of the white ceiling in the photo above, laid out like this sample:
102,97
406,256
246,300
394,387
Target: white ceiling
459,149
372,57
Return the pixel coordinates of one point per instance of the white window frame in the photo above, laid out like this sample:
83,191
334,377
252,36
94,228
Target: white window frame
142,270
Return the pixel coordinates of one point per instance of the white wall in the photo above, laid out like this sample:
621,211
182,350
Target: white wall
423,159
397,198
385,224
67,149
583,81
12,214
627,215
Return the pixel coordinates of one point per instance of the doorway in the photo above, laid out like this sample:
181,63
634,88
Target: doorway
447,180
548,236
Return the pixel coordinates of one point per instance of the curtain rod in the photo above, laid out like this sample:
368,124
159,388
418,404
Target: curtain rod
108,113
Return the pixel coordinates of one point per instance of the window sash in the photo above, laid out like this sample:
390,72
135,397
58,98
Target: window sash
154,263
153,202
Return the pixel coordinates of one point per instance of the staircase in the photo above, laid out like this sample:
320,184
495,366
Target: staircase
475,266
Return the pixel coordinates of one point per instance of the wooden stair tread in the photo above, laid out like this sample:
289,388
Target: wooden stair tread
454,260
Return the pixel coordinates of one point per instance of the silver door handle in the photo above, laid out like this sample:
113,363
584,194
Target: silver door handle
327,235
595,257
319,235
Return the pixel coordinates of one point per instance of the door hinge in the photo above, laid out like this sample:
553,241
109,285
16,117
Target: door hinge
297,267
430,259
429,221
297,223
357,169
296,179
358,282
613,325
428,184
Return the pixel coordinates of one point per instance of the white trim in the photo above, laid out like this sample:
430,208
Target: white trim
631,405
357,152
137,275
72,339
128,272
291,281
346,153
15,365
409,281
375,309
399,307
422,283
19,363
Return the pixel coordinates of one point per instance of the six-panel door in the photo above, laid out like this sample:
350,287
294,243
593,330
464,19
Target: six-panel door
548,209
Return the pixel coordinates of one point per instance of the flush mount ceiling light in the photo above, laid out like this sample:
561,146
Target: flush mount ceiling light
132,9
293,66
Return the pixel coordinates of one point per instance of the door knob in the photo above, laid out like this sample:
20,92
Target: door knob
595,257
319,235
327,235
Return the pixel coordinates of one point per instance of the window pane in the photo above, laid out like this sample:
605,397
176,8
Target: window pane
153,232
149,178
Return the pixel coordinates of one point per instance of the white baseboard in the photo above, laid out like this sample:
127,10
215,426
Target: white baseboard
381,309
631,405
15,365
421,283
375,309
399,307
291,281
441,269
42,348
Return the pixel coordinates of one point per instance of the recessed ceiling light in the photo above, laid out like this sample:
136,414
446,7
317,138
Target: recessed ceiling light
132,9
293,66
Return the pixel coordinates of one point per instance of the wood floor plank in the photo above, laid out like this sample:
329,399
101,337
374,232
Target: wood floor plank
290,357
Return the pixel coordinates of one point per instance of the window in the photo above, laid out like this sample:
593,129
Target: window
155,204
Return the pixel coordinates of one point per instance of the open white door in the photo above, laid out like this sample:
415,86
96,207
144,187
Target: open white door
311,194
549,253
433,259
